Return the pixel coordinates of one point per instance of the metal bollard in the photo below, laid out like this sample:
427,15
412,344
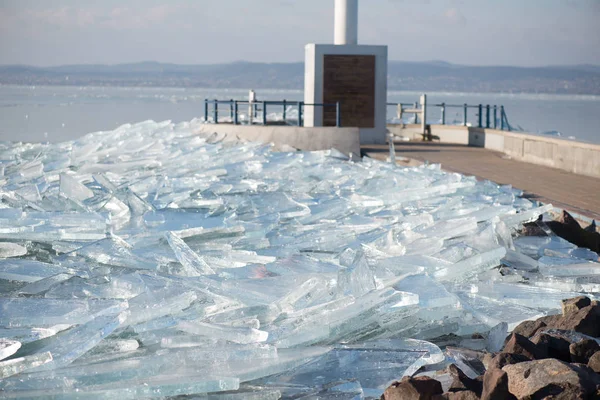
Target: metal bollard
443,113
338,115
465,114
495,117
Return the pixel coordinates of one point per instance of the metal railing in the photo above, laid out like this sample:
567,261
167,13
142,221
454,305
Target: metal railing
232,107
487,112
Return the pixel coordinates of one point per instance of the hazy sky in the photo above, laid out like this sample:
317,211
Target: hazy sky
477,32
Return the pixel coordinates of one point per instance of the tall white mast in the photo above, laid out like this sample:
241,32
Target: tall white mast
346,22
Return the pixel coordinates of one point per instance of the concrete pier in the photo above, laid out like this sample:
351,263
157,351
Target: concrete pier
572,192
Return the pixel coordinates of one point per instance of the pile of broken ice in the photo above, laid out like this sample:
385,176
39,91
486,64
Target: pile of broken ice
152,262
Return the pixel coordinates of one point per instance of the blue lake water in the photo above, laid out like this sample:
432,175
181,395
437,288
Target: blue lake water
57,113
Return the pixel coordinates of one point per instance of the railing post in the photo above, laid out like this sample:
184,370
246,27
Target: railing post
264,113
205,110
481,116
235,113
487,116
416,115
443,113
501,117
300,104
284,111
231,109
338,115
495,117
215,111
465,114
423,102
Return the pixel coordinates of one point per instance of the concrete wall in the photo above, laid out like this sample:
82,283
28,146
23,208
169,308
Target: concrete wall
313,85
346,140
576,157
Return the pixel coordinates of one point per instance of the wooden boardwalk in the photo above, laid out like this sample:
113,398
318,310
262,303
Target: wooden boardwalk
576,193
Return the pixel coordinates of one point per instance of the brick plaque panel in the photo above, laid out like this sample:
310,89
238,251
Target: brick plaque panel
349,79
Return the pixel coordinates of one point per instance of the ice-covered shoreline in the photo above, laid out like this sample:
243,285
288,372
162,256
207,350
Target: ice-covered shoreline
150,261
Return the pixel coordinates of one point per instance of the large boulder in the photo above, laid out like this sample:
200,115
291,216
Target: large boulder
569,229
502,359
462,382
529,328
594,362
495,385
582,351
550,377
575,304
419,388
518,344
585,320
556,346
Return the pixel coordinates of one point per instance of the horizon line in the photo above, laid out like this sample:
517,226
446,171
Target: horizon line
290,62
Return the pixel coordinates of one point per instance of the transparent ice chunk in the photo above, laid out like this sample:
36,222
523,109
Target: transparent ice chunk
8,347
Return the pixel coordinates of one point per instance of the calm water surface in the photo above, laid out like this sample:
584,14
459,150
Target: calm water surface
45,113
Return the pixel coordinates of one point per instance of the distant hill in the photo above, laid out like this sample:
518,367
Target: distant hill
420,76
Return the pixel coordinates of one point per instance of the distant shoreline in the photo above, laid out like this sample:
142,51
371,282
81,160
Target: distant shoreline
405,76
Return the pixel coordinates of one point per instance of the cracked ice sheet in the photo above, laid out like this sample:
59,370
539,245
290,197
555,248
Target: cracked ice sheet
206,242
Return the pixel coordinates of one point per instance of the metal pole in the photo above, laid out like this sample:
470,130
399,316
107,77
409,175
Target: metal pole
231,109
399,112
235,113
502,117
487,116
216,111
481,116
264,112
443,113
338,115
495,117
465,114
300,104
205,110
284,111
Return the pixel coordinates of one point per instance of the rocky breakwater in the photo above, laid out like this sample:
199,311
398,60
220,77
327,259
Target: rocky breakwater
553,357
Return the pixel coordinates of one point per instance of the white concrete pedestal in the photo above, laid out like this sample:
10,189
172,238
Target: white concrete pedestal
372,130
